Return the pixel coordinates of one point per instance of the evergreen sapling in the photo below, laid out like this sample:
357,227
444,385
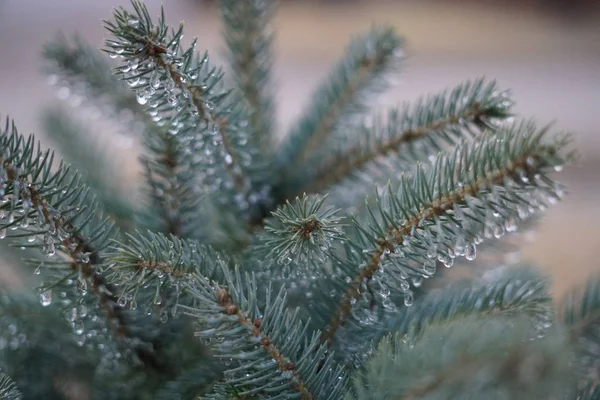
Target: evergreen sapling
316,268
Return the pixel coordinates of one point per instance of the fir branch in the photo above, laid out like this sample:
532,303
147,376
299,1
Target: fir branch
160,264
580,312
8,389
180,89
411,134
518,292
480,191
271,356
55,207
360,72
476,359
301,231
247,33
76,144
84,75
223,308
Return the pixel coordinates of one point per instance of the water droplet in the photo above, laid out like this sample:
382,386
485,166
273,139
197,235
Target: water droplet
511,224
133,22
48,245
172,100
417,281
558,168
46,298
141,98
460,247
38,270
498,231
429,267
432,251
2,233
408,299
471,251
78,327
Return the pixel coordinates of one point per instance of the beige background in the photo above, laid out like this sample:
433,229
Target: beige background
552,66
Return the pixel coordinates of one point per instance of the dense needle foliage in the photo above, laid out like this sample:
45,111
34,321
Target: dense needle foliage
316,268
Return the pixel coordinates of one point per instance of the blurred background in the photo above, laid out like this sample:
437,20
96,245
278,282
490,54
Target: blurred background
546,51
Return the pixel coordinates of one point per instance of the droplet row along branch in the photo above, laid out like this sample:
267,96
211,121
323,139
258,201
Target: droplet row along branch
230,308
436,208
224,300
75,245
343,165
156,52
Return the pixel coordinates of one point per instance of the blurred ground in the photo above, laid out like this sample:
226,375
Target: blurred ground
551,64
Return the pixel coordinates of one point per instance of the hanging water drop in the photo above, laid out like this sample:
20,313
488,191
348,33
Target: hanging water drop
432,251
471,251
48,245
498,231
417,281
78,327
2,233
408,299
141,98
511,224
429,267
46,298
460,247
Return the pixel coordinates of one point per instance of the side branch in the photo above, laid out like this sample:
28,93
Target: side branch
289,368
415,133
463,197
360,71
34,192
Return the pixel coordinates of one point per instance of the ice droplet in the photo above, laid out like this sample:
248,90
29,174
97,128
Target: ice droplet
46,298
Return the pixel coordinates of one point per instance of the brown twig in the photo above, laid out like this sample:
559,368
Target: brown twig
230,308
